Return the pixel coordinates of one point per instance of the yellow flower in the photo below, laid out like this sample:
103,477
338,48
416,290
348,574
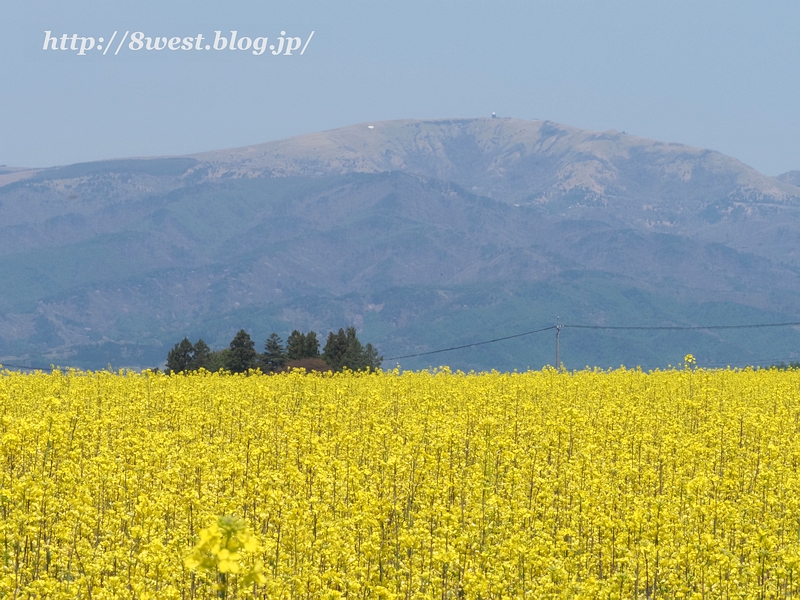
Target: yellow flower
429,484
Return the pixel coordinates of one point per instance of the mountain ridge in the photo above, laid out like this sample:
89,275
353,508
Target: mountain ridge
390,146
406,223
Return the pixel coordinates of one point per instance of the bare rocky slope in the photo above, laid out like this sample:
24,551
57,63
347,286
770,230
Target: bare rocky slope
424,234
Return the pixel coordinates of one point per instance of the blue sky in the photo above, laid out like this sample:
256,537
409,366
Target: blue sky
720,75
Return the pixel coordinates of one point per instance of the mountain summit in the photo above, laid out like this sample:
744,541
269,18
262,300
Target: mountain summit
513,160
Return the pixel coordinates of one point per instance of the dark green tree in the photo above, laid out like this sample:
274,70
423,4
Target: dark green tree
180,357
217,360
242,353
353,357
200,356
302,345
335,347
371,357
311,346
274,356
295,345
344,349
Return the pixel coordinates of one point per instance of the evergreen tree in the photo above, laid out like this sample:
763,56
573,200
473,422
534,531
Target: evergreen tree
344,349
295,346
217,360
180,357
353,357
371,358
274,356
242,353
335,347
311,346
302,345
200,356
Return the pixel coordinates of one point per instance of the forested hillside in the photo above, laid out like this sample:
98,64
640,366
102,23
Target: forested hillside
420,234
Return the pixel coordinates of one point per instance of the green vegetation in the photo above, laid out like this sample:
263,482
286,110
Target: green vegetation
242,355
302,345
274,356
343,350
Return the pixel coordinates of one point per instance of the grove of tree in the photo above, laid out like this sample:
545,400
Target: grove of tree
342,350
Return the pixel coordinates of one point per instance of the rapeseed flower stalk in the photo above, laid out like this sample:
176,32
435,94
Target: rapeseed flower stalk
220,552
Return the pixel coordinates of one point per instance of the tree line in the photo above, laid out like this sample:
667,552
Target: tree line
342,350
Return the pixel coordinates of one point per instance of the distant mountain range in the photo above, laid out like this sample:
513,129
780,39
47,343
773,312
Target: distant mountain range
422,234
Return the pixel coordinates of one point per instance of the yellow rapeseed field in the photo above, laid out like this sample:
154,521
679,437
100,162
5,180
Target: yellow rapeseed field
621,484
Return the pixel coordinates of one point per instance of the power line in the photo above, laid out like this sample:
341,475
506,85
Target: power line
604,327
556,327
685,328
508,337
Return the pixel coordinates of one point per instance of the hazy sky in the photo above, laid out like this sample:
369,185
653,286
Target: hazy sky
720,75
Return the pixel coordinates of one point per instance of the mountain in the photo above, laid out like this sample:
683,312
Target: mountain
424,234
792,177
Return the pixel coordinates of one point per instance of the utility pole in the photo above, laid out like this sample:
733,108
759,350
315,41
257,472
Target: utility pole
558,335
